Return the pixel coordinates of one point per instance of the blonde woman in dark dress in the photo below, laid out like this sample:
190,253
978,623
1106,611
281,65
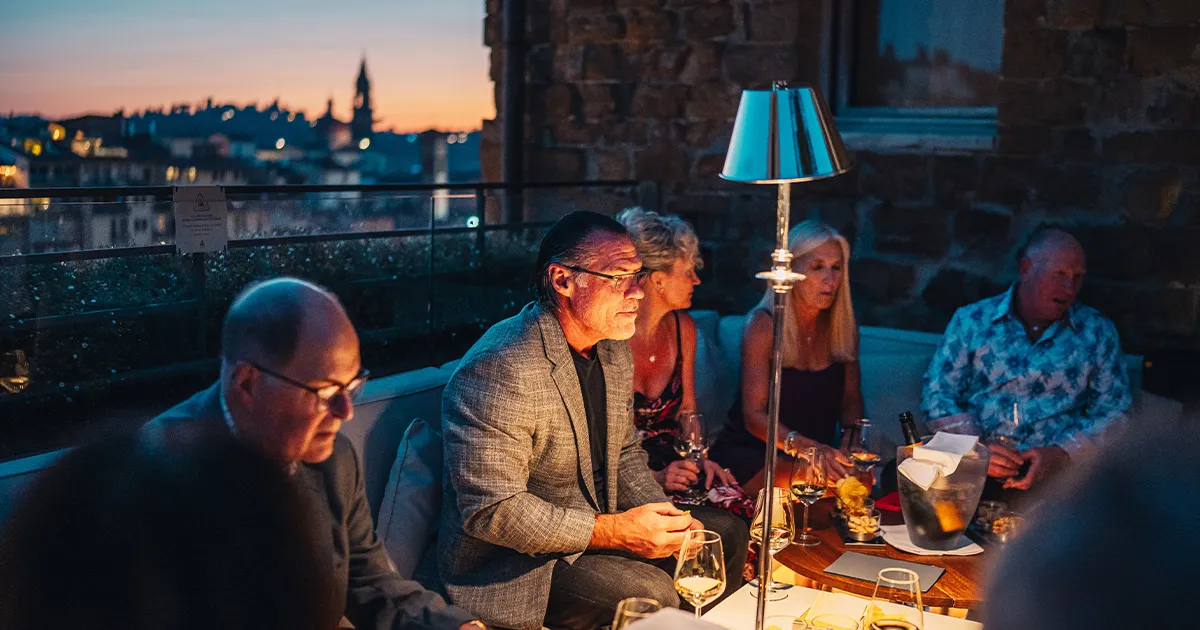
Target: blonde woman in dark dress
820,387
664,355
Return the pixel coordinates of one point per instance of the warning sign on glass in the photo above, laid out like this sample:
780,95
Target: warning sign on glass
200,213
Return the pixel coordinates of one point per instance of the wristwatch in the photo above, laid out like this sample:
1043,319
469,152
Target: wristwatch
789,443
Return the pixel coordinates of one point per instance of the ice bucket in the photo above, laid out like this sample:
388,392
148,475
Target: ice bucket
936,517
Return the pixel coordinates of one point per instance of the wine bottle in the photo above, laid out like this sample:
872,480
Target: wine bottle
908,427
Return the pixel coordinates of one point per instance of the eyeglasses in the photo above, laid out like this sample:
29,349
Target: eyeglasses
620,282
327,393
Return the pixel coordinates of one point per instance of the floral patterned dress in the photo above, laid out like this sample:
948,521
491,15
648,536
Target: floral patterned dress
655,420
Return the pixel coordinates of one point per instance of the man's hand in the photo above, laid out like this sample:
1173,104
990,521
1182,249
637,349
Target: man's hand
653,530
835,463
1042,461
1003,463
677,476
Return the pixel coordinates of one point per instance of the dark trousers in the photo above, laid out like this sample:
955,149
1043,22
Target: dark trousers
584,594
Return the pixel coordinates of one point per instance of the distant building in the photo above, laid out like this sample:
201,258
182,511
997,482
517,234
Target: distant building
363,122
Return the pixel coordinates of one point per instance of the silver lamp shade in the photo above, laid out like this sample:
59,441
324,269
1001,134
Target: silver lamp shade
784,135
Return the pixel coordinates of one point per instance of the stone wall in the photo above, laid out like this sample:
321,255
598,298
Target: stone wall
1098,131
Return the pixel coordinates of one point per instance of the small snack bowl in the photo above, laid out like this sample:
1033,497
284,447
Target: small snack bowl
863,526
987,512
1007,526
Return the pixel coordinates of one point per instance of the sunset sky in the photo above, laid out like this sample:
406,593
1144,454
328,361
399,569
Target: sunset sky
425,58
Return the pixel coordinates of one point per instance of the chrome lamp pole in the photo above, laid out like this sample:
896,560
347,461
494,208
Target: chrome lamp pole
780,136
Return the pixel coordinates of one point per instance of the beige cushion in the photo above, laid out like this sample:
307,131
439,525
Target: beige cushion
412,501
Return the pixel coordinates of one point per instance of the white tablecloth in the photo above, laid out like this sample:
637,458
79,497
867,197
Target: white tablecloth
737,611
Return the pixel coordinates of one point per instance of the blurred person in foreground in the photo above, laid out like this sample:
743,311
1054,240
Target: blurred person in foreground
664,360
1114,544
290,371
551,514
1033,349
180,531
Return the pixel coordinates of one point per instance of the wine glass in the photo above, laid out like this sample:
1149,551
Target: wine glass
780,531
896,602
700,572
692,444
633,609
808,486
861,452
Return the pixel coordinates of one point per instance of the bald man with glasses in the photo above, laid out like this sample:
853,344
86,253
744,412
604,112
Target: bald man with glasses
290,373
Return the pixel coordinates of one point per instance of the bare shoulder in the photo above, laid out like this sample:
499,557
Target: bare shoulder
758,324
687,326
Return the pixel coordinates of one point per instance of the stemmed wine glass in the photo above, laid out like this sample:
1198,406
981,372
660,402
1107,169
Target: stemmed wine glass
808,486
896,602
692,444
633,609
700,572
861,452
780,530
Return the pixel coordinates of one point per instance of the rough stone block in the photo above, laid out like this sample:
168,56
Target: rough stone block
1077,144
1008,181
1024,14
894,177
1174,104
568,63
1037,53
550,165
1069,186
1127,252
707,136
983,234
598,103
659,102
1152,195
605,62
1154,147
692,205
708,21
703,63
1054,103
952,289
1098,54
756,66
1027,140
1159,50
880,281
611,164
644,24
1074,14
595,28
659,62
713,101
773,21
922,231
663,164
955,180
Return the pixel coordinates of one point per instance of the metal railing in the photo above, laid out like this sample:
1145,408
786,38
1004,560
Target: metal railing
455,264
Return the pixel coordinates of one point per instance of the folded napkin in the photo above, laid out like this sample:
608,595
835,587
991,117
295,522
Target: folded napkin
835,603
940,456
673,619
897,536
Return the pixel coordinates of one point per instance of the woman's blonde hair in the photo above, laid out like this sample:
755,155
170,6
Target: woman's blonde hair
843,335
660,239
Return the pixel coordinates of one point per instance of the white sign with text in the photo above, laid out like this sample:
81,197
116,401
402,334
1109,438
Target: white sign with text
200,213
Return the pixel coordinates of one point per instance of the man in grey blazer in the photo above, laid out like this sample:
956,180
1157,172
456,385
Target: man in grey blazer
290,372
551,514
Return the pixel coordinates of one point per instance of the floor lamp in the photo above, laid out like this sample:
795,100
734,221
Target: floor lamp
781,135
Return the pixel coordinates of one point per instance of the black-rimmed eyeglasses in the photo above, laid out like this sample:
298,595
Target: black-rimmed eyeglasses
326,393
620,282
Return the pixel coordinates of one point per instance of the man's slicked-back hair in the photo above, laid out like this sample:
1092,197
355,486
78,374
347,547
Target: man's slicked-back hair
265,320
565,244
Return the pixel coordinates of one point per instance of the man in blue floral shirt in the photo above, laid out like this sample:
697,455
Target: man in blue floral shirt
1031,367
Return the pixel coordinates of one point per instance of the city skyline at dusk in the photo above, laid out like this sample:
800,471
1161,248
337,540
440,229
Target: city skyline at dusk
426,60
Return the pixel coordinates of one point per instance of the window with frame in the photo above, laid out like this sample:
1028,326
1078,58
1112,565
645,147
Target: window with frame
925,69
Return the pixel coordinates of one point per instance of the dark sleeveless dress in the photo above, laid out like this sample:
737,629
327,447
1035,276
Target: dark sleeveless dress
655,421
810,403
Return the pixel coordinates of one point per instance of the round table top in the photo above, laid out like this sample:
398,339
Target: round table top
959,587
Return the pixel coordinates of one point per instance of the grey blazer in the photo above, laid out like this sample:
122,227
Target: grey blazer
375,596
518,491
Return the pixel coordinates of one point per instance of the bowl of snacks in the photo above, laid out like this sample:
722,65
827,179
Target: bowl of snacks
863,526
1007,526
851,495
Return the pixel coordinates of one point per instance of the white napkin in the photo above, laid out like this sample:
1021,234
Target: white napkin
941,455
897,536
837,604
673,619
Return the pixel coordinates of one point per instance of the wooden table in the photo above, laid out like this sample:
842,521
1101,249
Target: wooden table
959,587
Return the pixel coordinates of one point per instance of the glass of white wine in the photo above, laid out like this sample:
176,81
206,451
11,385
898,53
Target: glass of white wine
700,572
808,486
861,452
633,609
781,530
896,602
